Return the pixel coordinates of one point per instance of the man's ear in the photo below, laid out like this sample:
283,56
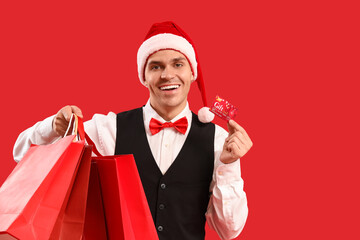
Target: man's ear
192,78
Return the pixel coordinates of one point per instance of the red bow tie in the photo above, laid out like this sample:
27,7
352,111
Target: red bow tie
180,125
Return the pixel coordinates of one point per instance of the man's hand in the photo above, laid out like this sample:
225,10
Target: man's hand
62,118
236,145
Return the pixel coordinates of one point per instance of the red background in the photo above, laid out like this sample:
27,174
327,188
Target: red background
291,67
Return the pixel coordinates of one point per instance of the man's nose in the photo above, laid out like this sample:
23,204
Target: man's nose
168,73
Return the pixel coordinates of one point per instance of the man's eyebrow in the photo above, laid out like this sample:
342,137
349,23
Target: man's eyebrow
154,62
172,60
178,59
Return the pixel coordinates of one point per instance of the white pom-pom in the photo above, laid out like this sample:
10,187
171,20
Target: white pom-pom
205,116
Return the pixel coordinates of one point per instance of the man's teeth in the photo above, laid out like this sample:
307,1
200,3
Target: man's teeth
170,87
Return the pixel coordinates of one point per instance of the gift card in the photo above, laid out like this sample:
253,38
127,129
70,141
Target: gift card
223,109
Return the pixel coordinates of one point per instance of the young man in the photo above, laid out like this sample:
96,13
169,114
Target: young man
190,170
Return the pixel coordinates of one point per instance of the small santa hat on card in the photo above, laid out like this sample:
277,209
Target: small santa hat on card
168,35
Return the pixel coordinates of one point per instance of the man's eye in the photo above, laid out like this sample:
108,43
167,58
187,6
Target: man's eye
155,67
178,65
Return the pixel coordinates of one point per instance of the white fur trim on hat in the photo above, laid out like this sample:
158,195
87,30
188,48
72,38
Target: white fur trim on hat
165,41
205,116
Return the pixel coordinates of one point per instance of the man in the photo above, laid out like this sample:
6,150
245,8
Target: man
190,170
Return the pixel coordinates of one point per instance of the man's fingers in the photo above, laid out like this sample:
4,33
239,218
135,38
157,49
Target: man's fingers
235,150
234,127
60,124
76,111
240,141
66,112
242,146
237,135
242,138
62,118
237,144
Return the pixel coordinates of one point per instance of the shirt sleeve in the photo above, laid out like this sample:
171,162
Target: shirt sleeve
41,133
102,131
227,210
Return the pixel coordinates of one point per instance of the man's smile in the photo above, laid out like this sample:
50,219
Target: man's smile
169,87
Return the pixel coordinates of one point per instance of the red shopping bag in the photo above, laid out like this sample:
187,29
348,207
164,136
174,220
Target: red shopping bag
126,210
95,225
71,220
34,198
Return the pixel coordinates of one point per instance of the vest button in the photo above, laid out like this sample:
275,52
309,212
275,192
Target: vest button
160,228
161,206
163,186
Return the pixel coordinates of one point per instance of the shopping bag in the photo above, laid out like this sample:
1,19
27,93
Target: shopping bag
71,220
95,225
127,214
35,195
126,209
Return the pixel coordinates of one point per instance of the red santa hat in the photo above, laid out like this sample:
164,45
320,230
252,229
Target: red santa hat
168,35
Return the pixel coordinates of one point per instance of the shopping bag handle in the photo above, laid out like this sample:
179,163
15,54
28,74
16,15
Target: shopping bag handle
83,135
78,130
74,122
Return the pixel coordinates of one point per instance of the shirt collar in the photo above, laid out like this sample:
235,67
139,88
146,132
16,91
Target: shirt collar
149,112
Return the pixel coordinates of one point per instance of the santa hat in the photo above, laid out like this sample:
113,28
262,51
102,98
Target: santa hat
168,35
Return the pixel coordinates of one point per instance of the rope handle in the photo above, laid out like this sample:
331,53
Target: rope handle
73,124
79,131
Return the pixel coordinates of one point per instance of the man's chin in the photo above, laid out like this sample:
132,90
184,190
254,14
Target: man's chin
172,104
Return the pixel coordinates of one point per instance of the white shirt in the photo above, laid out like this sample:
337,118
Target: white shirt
227,210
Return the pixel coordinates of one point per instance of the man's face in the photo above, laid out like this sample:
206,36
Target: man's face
168,77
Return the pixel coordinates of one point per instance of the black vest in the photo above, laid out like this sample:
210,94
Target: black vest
178,199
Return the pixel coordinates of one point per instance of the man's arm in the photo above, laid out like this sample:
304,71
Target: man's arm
227,210
101,129
44,132
41,133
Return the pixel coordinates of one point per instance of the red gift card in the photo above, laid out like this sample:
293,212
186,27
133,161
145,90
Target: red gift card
223,109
